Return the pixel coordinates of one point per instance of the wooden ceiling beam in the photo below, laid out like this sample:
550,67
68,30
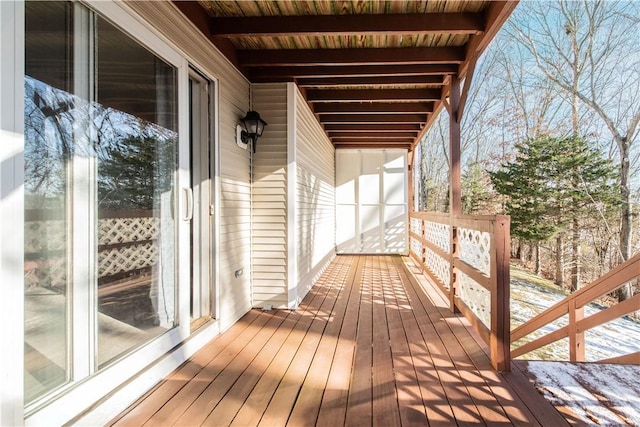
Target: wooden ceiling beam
372,141
372,145
379,95
371,127
371,81
496,14
199,17
372,107
373,118
338,25
270,74
372,135
352,56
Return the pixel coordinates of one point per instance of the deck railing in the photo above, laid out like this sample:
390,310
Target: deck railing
127,248
573,306
467,257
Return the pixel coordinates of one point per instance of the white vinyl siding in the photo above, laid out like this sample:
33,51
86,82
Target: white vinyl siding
315,198
293,225
269,225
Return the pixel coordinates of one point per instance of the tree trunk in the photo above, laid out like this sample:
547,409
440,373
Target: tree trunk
624,292
559,261
575,254
538,263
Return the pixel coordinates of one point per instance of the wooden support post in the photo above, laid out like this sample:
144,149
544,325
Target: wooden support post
576,339
455,198
500,339
410,184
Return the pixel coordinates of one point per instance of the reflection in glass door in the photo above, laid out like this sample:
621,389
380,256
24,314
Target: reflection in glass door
200,226
101,144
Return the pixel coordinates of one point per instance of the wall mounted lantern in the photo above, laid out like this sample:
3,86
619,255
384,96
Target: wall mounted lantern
250,130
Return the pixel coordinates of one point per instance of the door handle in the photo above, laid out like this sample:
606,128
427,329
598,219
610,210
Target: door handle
188,214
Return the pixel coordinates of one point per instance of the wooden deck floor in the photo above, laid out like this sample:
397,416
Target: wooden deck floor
370,345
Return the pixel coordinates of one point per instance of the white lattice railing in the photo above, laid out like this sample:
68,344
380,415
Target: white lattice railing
468,258
127,244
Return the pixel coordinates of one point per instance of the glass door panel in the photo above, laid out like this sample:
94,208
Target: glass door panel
101,146
136,149
49,135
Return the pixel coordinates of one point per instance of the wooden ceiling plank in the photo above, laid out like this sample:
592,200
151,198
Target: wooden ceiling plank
379,95
372,107
396,24
352,56
268,74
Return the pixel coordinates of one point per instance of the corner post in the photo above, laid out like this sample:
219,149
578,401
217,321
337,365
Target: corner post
576,337
500,339
455,198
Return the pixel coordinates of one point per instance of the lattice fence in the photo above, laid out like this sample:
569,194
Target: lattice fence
475,249
439,266
477,260
124,244
126,230
476,297
438,234
416,245
44,246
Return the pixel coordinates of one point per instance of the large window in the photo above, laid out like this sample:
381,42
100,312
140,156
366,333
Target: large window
100,195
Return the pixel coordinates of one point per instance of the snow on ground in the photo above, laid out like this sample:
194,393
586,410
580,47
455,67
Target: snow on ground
599,394
618,337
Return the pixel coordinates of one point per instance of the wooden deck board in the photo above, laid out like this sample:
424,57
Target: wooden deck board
333,408
309,400
369,345
486,403
359,407
257,402
385,398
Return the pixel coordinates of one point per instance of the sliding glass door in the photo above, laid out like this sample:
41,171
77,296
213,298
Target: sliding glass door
101,144
201,235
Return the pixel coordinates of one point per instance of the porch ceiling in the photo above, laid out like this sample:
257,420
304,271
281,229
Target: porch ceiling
375,73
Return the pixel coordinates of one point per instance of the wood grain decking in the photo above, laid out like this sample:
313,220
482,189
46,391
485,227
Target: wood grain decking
370,345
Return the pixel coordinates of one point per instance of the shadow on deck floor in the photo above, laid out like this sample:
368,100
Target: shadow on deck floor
371,344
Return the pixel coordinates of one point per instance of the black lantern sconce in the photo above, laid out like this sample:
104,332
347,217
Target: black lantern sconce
250,130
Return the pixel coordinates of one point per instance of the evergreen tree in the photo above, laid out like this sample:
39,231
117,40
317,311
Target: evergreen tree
133,172
477,197
551,183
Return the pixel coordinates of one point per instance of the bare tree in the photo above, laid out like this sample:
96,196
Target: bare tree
589,50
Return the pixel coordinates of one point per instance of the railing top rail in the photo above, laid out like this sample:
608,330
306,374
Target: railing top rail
611,281
475,222
435,216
